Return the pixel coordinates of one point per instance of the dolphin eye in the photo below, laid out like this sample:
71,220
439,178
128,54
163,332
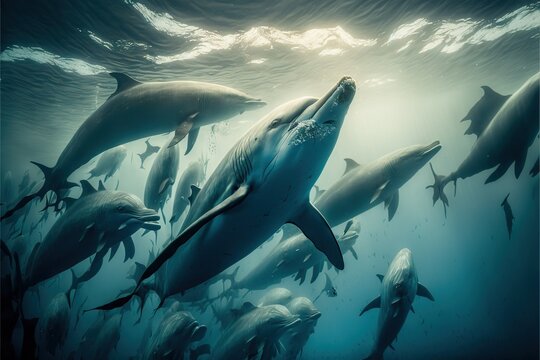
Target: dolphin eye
121,208
275,123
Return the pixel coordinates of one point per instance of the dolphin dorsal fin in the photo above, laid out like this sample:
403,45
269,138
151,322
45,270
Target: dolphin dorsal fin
101,187
123,82
488,91
87,188
349,165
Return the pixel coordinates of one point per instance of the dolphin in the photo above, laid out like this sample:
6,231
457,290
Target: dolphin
256,329
295,339
137,110
161,178
173,337
96,222
483,111
149,151
54,324
398,289
363,187
328,289
505,140
508,215
193,176
262,183
293,256
109,162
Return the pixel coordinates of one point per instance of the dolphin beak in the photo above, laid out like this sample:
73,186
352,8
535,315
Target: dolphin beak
342,92
431,150
148,219
292,323
314,316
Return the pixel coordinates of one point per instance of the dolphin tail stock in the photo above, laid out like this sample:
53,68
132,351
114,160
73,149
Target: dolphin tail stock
438,188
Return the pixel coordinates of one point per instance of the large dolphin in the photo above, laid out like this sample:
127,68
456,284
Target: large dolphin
137,110
262,183
398,290
193,176
257,330
276,296
94,224
293,255
295,339
161,178
174,336
505,140
109,162
54,324
364,186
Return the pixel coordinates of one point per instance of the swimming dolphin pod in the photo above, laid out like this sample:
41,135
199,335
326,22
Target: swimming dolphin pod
399,287
262,183
503,142
137,110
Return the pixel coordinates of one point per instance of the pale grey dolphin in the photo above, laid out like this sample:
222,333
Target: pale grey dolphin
297,337
174,336
137,110
161,178
262,183
54,324
193,176
398,290
95,223
109,162
257,330
505,140
293,255
363,187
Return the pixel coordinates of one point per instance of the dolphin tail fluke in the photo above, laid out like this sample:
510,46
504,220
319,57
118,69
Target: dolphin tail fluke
438,188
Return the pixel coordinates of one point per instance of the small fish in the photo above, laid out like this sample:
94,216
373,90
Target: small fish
150,150
509,216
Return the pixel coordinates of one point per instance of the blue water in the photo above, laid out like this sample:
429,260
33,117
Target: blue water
418,66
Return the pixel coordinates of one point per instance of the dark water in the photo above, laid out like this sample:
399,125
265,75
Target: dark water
418,66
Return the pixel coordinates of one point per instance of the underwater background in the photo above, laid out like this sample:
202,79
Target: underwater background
418,66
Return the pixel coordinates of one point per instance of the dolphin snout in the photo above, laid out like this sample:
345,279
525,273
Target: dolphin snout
431,150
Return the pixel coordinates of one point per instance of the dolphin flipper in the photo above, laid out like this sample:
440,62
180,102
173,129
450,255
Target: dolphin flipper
192,137
375,303
129,248
183,129
424,292
500,171
392,204
314,226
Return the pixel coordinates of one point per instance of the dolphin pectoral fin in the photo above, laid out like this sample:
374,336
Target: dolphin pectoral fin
194,193
314,226
375,303
316,271
164,185
192,137
347,226
353,252
114,249
520,163
424,292
183,129
301,275
129,248
377,196
87,188
380,277
233,200
500,171
392,204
